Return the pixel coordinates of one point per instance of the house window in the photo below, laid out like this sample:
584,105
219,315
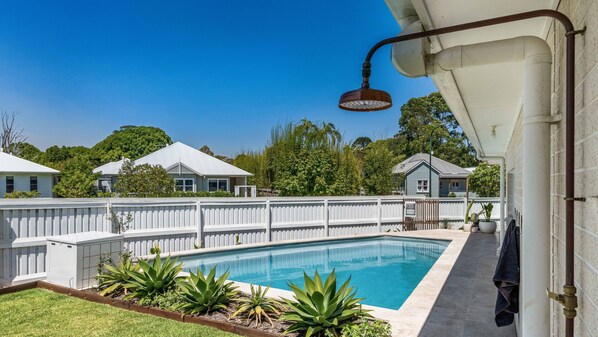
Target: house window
33,183
422,186
10,184
455,184
184,184
217,185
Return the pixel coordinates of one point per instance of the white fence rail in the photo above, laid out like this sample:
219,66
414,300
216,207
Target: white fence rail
186,223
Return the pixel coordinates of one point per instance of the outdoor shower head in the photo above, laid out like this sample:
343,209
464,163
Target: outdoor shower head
365,98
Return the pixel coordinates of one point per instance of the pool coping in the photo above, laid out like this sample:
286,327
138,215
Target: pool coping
410,318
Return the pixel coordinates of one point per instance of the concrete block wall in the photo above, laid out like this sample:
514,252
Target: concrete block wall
583,13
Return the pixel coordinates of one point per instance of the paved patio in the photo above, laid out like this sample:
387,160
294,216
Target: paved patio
465,305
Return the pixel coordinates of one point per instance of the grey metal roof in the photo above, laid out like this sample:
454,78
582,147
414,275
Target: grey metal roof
443,167
178,153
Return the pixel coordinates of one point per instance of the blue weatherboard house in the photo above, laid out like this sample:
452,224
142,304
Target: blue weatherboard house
447,178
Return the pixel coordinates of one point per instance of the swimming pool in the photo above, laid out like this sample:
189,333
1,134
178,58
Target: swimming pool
385,269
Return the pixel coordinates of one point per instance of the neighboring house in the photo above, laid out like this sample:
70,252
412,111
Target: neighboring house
18,174
447,178
191,169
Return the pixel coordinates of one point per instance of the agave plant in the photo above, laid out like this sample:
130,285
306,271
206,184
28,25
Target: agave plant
153,279
322,308
112,279
258,306
204,293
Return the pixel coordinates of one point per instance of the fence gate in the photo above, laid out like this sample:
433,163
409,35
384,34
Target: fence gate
427,215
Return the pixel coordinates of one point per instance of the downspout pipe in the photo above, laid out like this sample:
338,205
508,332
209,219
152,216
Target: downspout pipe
501,196
568,298
535,232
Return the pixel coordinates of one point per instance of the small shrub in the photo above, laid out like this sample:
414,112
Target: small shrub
204,293
120,222
374,328
22,195
171,300
487,211
111,279
452,195
153,279
321,307
258,306
444,223
155,249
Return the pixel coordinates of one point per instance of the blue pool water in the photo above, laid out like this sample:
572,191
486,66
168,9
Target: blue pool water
385,270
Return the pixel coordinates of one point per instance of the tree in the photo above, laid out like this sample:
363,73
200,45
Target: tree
361,143
30,152
58,156
252,162
11,138
131,142
485,180
205,149
144,181
378,162
348,176
305,158
77,179
419,117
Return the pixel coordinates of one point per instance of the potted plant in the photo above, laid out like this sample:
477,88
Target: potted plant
487,226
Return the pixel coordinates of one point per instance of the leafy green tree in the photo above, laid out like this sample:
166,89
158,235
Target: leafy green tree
143,181
485,180
360,143
30,152
252,162
131,142
378,163
430,116
77,179
206,149
348,176
58,156
303,159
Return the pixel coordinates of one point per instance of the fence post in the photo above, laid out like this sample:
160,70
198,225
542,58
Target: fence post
379,220
109,220
199,220
326,218
268,222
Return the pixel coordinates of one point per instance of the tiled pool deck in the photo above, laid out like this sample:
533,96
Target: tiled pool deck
465,305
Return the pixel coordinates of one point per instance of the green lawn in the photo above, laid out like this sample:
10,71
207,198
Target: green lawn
39,312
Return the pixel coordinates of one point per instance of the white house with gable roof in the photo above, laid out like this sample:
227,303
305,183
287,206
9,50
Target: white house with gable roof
18,174
191,169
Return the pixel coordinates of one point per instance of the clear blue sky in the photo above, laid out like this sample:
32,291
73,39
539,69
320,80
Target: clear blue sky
215,72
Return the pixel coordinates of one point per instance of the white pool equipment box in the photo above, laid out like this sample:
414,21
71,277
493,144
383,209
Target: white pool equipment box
73,258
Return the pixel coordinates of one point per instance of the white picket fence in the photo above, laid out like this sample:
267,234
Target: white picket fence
177,224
